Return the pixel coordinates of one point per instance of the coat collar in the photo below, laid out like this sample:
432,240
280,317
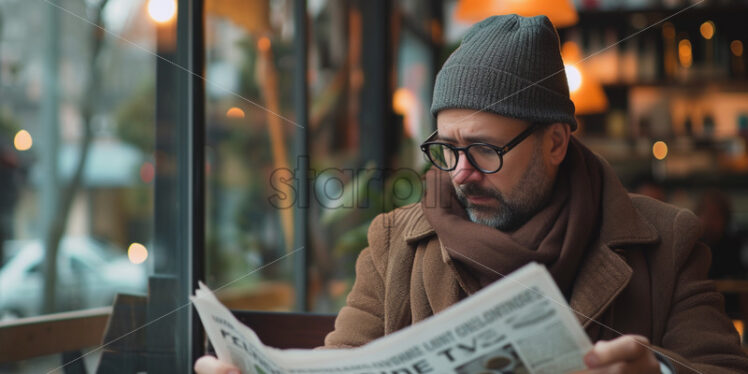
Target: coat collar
622,224
603,274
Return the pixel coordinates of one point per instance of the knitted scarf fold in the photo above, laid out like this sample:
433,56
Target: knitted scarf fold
557,236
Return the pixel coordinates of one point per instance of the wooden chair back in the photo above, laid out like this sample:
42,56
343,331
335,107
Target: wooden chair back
288,330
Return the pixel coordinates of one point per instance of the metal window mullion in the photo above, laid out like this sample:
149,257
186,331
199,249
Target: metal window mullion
198,131
191,98
173,333
301,216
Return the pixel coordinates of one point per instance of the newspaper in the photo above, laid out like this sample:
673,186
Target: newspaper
520,324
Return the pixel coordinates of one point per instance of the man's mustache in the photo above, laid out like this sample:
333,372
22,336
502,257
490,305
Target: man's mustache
477,191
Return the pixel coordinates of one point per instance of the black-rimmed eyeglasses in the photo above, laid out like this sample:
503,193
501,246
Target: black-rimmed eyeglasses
485,157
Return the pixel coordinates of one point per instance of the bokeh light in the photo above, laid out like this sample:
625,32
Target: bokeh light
23,140
137,253
659,150
685,54
235,112
263,44
739,327
162,11
736,47
403,100
707,29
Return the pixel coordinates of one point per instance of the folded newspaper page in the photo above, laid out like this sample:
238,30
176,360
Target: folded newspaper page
520,324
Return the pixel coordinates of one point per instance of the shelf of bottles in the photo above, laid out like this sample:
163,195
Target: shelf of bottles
674,74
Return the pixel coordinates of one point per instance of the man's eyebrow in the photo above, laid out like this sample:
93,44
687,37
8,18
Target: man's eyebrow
470,139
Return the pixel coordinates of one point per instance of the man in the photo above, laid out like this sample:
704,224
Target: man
511,185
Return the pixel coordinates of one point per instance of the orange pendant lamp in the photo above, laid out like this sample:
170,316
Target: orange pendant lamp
560,12
585,89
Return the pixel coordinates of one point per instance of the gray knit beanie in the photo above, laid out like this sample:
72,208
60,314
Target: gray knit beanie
511,66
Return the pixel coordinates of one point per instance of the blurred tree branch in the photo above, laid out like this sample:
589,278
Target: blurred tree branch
67,194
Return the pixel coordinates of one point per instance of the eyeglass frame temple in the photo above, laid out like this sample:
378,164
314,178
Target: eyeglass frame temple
522,136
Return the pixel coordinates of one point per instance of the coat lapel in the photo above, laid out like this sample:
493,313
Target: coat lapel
441,281
442,290
603,273
601,277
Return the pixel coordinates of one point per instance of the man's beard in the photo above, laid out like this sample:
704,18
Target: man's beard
527,198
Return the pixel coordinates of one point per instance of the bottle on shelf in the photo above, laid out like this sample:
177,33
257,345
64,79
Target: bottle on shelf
669,58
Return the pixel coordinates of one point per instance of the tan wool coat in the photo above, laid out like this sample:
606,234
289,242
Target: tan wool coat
645,274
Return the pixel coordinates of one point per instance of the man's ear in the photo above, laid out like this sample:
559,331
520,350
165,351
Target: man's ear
556,139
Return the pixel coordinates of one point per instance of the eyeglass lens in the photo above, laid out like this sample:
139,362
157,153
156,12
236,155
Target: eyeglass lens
484,157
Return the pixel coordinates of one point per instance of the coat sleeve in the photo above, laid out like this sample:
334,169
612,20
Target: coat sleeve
699,337
361,320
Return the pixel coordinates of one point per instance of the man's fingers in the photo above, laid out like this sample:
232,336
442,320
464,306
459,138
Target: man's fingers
625,348
211,365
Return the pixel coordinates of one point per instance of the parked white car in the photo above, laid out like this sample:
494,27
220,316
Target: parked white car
89,274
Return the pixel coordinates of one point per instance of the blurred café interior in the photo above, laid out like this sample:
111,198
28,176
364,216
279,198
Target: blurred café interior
149,144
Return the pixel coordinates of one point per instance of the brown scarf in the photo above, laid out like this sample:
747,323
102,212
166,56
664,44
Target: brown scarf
557,236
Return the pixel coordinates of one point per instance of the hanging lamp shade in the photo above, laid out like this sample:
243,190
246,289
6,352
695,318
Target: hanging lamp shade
560,12
585,89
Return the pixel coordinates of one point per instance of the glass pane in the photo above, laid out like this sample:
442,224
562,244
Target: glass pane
336,84
76,154
77,168
353,184
251,198
249,154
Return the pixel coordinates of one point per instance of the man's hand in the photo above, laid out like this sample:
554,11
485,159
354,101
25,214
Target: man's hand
627,354
211,365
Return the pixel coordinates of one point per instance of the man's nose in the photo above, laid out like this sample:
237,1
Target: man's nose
465,172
